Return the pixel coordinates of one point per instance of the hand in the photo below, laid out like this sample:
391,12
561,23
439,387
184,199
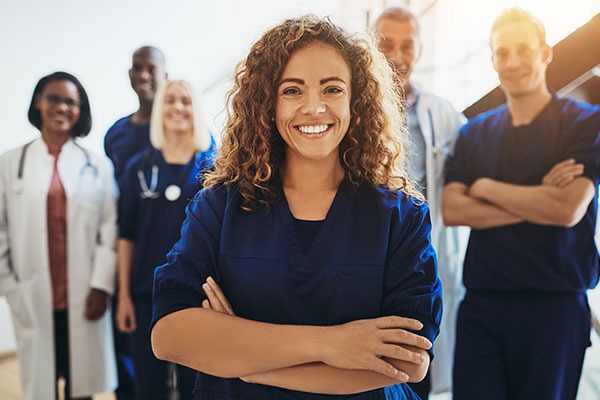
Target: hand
95,304
364,344
218,302
125,317
478,188
216,299
356,345
563,173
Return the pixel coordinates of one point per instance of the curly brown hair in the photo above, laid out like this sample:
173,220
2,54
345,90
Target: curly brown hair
252,153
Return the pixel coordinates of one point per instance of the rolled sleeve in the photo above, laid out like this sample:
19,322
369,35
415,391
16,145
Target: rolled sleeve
412,288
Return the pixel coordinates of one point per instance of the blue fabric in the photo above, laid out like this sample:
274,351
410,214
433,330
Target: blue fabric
520,345
153,224
528,256
151,374
371,257
123,140
306,231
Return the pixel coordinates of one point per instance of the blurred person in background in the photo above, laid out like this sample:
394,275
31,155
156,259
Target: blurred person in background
155,188
57,248
524,176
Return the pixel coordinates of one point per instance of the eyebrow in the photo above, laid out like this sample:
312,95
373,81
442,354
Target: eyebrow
302,82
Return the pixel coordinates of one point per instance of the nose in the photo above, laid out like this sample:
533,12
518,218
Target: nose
395,54
511,60
178,105
313,104
145,74
62,106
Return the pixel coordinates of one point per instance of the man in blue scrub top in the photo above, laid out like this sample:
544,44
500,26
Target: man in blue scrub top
131,134
125,138
433,124
524,177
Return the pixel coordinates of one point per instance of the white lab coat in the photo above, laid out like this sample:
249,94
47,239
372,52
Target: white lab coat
439,123
24,265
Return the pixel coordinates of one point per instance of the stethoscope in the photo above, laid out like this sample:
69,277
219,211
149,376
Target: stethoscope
172,192
87,167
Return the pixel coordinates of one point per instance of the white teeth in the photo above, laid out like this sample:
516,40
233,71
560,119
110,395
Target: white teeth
313,128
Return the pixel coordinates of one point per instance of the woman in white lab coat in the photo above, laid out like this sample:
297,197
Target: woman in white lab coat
57,247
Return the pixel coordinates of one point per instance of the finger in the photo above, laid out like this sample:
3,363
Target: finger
392,322
206,304
132,323
222,298
565,162
402,353
215,303
568,175
384,368
400,336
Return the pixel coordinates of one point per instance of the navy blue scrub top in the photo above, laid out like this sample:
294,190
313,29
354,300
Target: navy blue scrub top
153,224
123,140
528,256
371,257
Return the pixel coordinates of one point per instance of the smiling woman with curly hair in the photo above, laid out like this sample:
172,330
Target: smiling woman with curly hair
253,153
305,266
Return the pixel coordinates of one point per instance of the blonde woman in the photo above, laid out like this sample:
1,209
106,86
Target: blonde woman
155,188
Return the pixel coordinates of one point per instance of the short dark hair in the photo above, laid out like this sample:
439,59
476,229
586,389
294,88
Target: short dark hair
84,123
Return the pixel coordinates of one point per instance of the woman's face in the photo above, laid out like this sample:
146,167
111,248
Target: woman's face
178,115
58,104
313,102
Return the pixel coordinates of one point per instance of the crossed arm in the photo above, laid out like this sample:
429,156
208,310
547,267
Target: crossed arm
561,199
343,359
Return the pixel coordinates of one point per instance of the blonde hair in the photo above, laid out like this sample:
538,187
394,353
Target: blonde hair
252,153
516,14
157,134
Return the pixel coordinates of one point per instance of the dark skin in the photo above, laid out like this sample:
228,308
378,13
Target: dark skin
146,74
57,133
95,304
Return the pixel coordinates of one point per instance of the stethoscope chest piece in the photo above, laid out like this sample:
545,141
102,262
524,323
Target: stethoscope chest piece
172,192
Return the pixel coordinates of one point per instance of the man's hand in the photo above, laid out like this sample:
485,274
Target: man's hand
95,304
563,173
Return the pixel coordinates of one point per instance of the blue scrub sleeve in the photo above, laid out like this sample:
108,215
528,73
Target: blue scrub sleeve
585,145
456,167
411,285
178,283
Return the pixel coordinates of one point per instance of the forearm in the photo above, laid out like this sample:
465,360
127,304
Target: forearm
459,208
324,379
229,346
539,204
125,250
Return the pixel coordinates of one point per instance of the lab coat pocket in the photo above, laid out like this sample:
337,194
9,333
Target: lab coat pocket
21,306
89,192
357,293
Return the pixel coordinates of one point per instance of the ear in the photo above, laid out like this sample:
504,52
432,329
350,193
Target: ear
493,62
547,54
418,51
